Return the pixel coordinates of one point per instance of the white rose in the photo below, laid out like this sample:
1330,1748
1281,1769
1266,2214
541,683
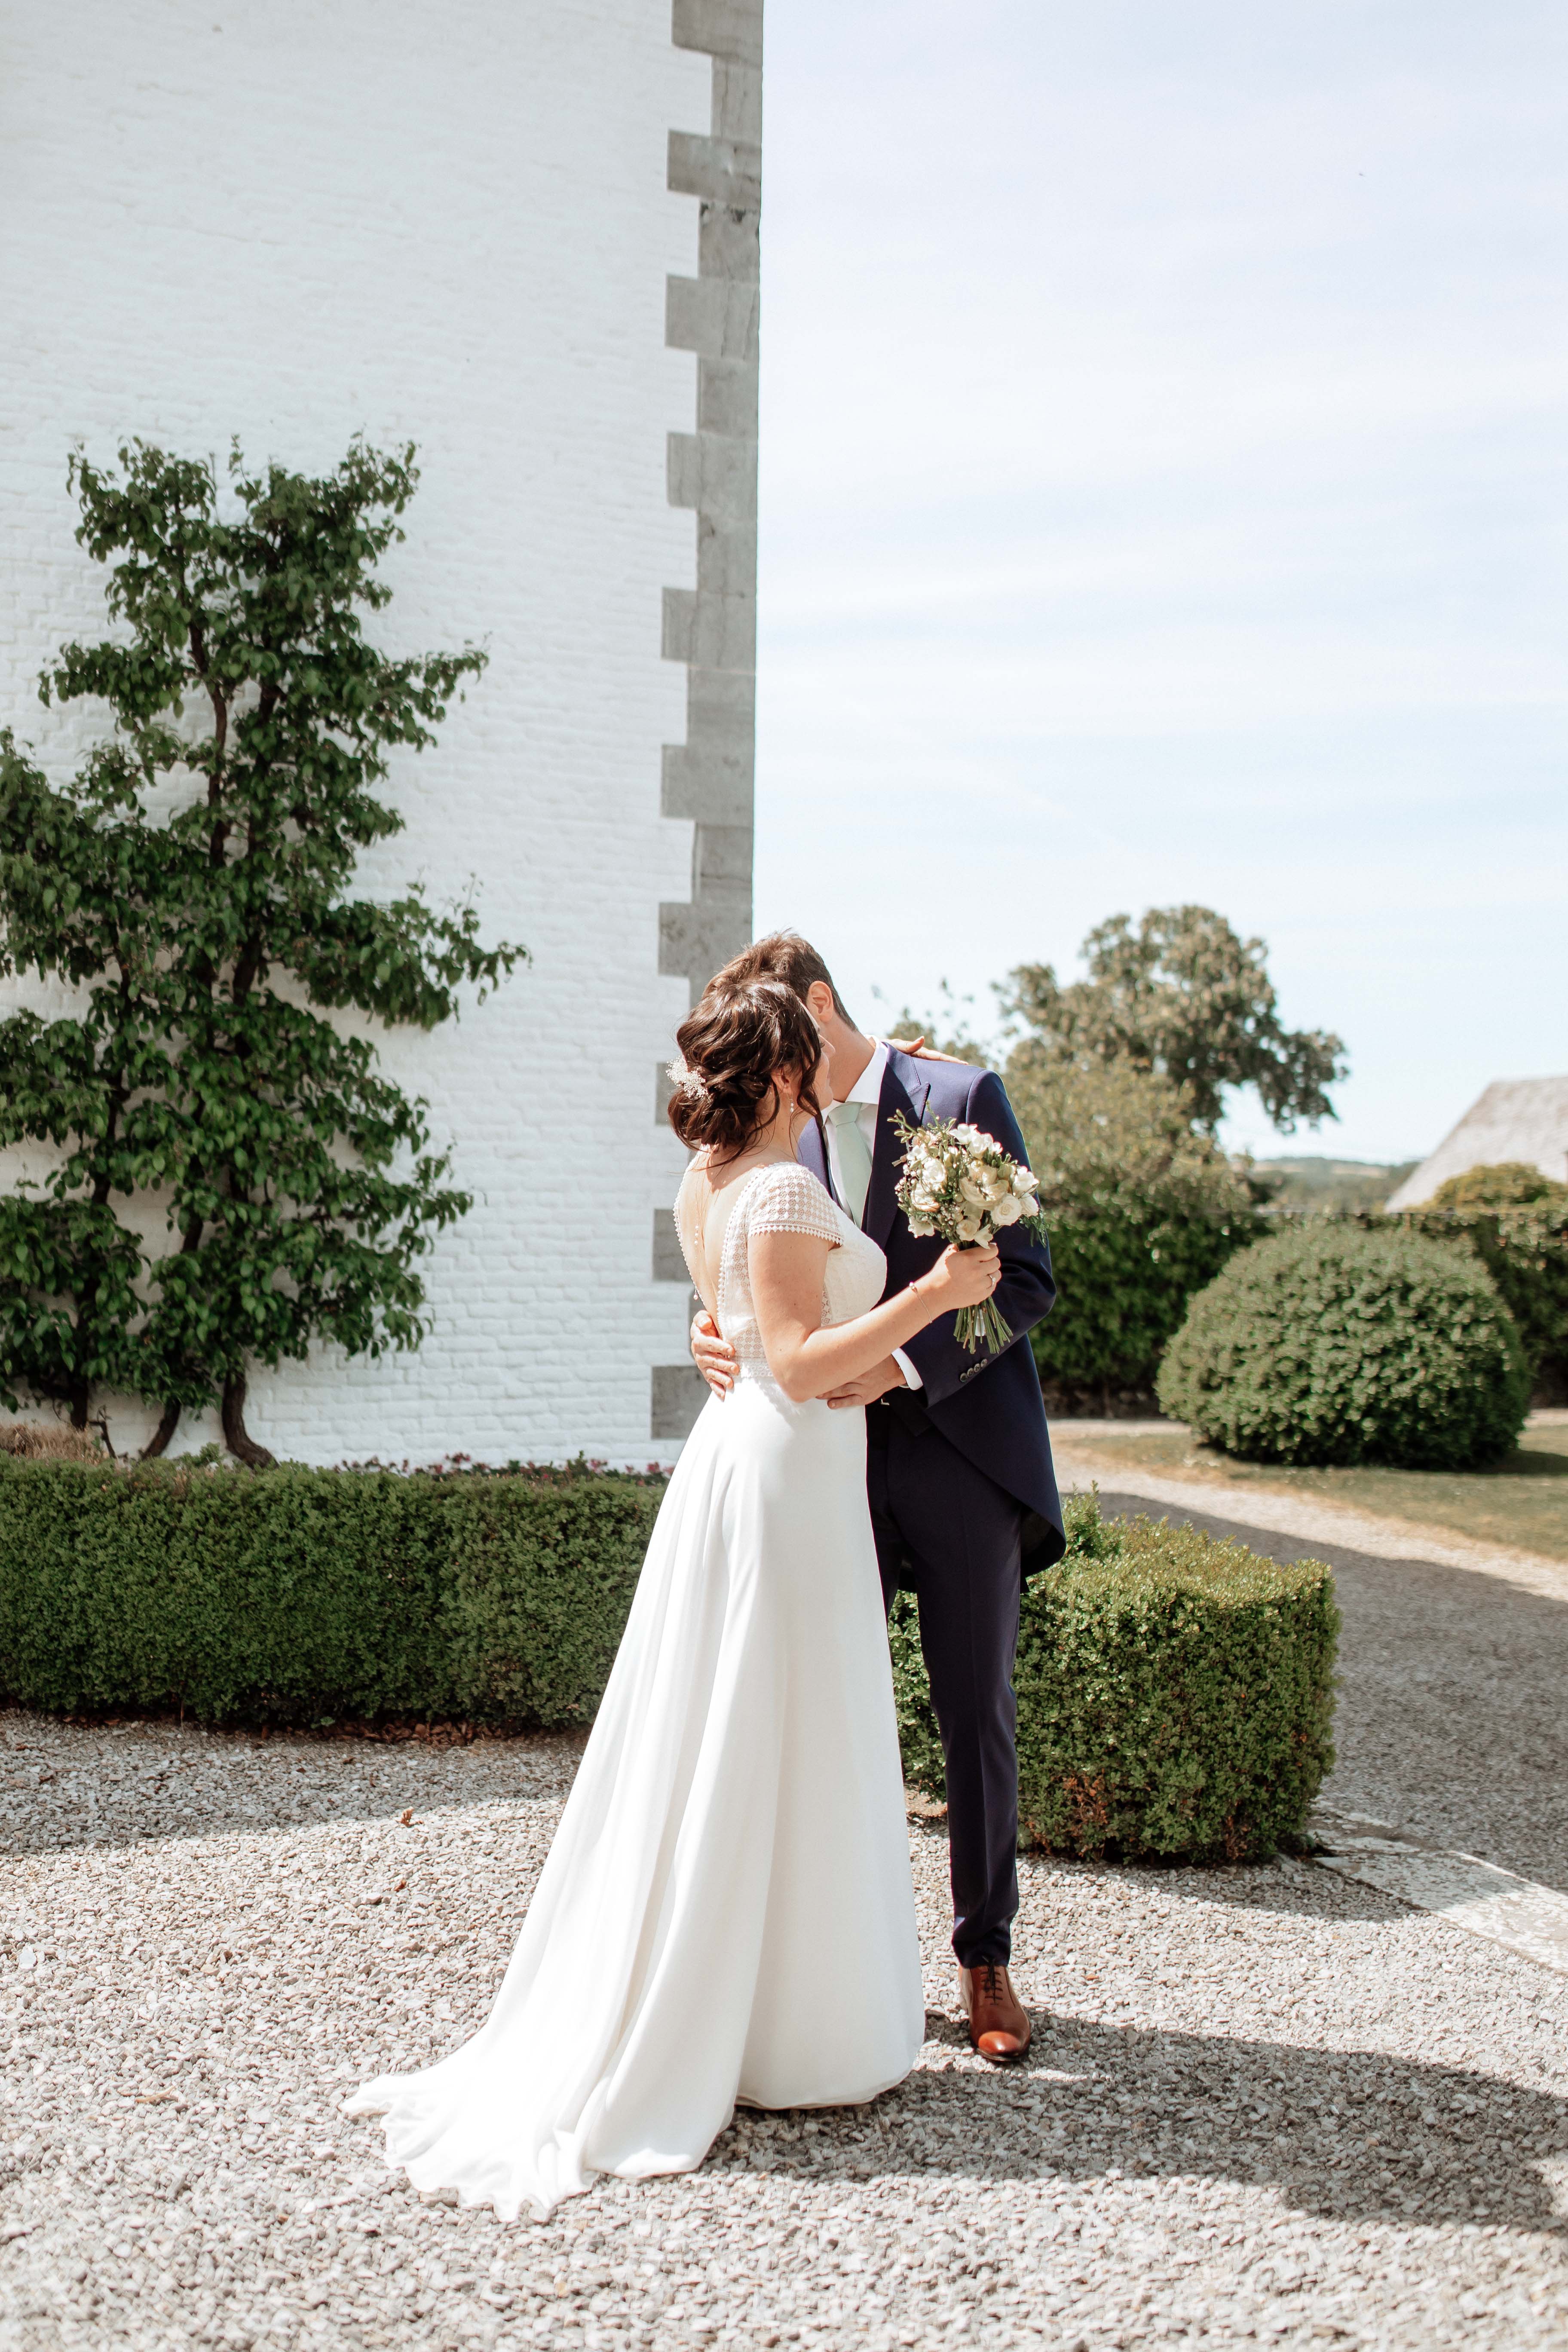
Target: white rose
1007,1211
972,1225
975,1190
1024,1181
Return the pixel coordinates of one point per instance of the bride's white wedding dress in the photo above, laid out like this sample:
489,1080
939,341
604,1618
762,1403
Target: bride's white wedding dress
726,1914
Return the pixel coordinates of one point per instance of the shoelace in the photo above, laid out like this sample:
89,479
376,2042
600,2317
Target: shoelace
990,1972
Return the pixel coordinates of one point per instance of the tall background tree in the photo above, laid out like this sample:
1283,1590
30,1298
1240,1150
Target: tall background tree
1119,1081
1183,995
1144,1209
192,882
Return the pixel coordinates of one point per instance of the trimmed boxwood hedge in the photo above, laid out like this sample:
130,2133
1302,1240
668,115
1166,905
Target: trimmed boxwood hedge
299,1596
1175,1695
1524,1246
1329,1345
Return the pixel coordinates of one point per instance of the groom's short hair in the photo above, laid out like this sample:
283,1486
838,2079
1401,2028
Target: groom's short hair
782,955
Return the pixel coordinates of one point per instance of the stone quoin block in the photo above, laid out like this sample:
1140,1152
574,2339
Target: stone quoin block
537,258
669,1265
679,1393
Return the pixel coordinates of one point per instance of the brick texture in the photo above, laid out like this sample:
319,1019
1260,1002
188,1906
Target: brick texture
523,235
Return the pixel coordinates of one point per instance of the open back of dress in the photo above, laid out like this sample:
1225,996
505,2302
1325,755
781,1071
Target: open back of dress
702,1213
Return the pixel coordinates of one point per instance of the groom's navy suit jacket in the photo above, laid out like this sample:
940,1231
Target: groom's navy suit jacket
989,1407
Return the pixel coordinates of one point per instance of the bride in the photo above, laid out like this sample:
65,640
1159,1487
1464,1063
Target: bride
726,1914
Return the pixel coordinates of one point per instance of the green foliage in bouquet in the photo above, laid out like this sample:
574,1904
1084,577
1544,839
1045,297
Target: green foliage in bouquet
1142,1212
1175,1695
1332,1345
193,883
308,1595
961,1186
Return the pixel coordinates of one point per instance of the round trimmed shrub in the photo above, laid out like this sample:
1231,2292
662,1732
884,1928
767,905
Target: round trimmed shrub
1143,1212
1330,1345
1175,1695
1498,1184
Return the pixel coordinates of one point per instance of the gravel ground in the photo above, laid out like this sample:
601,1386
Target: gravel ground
1265,2106
1451,1720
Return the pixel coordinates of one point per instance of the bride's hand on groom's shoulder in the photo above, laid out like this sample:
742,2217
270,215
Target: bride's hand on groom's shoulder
920,1051
714,1357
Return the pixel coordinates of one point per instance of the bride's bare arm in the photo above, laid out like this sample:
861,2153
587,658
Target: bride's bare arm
787,1273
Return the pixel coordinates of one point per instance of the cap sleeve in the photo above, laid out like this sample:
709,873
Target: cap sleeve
787,1199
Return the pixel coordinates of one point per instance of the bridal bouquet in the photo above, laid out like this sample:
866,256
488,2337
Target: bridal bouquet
960,1184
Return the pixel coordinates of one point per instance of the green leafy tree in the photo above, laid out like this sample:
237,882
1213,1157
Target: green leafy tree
1143,1212
192,882
1505,1184
945,1030
1183,995
1515,1219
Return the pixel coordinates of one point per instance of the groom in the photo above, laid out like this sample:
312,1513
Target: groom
958,1461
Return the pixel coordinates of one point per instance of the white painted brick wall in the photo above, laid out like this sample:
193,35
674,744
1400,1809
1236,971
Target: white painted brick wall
450,223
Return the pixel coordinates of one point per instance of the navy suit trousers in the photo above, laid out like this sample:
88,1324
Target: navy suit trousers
953,1536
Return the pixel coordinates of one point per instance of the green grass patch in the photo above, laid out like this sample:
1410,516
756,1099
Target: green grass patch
1521,1500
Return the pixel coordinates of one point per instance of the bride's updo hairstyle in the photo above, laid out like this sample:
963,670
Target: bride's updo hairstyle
733,1046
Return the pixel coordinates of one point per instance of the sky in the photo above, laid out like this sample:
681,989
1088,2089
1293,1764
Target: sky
1162,500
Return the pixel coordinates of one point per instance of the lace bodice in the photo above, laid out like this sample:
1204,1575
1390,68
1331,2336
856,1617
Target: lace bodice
780,1198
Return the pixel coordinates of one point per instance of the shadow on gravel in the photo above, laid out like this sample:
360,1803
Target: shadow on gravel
1345,2135
1450,1721
1295,1891
65,1786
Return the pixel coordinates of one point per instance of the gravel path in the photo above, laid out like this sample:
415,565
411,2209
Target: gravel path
1265,2106
1452,1721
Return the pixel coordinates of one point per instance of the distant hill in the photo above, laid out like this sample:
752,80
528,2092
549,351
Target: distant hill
1306,1182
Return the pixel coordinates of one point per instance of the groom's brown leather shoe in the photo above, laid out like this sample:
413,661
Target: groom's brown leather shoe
998,2021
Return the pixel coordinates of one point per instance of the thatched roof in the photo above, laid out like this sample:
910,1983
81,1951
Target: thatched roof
1516,1119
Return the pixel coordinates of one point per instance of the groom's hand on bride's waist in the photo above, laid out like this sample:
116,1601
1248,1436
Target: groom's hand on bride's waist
715,1357
870,1385
716,1360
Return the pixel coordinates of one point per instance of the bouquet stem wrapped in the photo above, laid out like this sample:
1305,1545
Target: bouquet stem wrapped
961,1186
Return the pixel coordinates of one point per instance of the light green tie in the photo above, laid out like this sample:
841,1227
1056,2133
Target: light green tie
854,1160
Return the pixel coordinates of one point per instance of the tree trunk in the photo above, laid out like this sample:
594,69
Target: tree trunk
160,1438
243,1447
165,1430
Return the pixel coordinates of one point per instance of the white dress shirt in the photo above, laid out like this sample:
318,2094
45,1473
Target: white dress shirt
866,1094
